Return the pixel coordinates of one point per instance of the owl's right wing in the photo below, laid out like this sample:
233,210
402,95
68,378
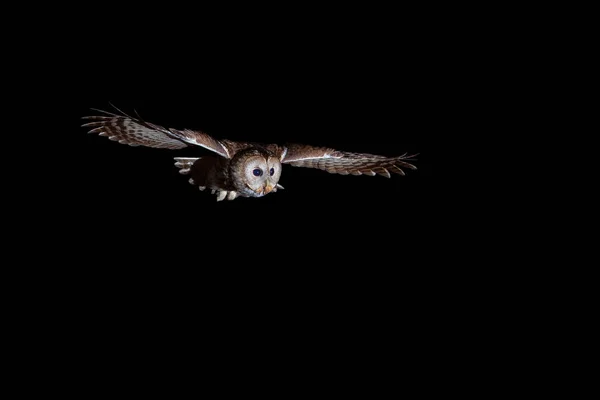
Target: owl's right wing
136,132
344,162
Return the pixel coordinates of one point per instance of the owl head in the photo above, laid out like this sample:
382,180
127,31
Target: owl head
255,172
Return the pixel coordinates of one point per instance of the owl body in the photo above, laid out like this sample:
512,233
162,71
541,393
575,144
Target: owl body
240,169
210,172
253,171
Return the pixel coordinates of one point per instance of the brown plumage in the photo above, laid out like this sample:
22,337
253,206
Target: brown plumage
240,168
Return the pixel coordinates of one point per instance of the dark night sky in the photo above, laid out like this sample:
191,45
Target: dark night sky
324,109
128,235
131,204
352,96
353,109
388,92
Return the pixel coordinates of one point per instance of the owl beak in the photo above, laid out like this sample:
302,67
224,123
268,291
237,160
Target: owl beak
267,189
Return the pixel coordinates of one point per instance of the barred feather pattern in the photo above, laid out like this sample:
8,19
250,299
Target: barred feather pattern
345,163
135,132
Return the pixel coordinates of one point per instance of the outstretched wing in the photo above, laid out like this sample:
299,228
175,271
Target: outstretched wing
136,132
343,162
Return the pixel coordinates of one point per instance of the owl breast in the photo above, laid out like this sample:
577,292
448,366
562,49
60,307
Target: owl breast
211,172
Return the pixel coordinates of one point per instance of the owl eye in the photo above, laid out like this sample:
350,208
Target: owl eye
257,172
272,171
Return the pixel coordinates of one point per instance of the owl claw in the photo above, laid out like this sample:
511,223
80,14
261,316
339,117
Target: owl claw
232,195
221,195
225,194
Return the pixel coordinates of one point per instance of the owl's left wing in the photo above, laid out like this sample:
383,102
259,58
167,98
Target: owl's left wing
343,162
136,132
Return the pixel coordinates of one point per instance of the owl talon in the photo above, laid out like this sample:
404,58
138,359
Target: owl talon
232,195
221,195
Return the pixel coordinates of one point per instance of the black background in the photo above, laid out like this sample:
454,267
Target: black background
121,188
121,256
386,88
360,91
127,228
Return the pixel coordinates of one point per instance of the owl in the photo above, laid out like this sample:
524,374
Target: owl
239,169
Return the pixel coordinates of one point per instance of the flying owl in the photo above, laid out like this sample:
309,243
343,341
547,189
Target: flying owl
240,168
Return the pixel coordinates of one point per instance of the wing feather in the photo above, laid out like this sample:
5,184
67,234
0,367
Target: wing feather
136,132
343,162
